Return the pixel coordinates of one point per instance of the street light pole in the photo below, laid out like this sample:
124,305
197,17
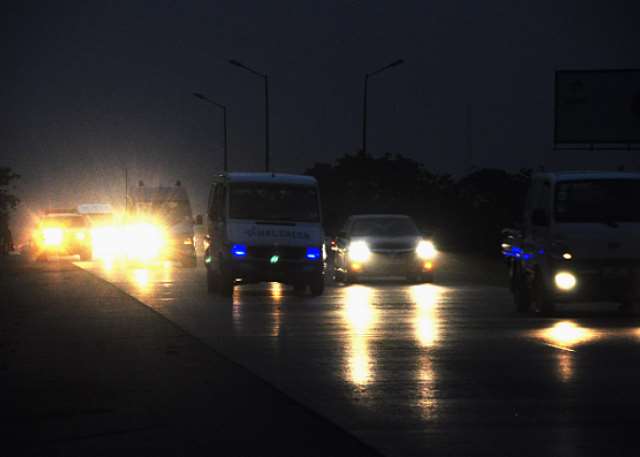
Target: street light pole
224,124
364,115
266,108
364,99
267,152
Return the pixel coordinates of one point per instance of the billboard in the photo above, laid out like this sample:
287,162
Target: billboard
597,106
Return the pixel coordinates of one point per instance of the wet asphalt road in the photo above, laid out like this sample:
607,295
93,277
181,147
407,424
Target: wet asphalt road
433,369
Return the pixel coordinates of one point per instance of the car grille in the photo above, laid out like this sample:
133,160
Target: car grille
392,246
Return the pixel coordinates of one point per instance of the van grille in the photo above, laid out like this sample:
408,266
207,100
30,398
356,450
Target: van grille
284,252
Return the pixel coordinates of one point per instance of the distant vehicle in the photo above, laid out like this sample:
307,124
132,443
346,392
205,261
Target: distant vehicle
383,245
580,241
264,227
63,234
160,224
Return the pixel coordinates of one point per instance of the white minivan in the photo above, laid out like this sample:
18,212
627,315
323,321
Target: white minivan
264,227
580,241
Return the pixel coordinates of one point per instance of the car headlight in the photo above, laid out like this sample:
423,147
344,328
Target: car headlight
565,280
425,250
359,251
52,236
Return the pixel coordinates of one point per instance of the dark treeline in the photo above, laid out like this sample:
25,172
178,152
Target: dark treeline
467,213
8,202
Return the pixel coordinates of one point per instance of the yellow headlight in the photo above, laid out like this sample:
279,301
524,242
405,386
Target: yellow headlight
52,236
144,241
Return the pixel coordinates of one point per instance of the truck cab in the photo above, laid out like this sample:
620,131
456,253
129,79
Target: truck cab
264,227
579,242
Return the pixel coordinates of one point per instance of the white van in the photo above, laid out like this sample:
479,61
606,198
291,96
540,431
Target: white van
580,240
264,227
170,209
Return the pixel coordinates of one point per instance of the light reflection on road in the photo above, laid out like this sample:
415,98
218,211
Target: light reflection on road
426,300
141,279
566,335
360,316
277,293
427,325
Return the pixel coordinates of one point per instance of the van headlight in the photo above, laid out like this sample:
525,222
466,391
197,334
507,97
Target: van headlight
425,250
359,251
565,280
52,236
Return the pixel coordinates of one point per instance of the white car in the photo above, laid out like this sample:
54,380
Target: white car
383,245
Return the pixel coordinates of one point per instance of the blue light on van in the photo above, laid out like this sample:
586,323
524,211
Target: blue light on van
313,253
239,250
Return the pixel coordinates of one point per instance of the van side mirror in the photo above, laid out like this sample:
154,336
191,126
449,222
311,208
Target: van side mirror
540,218
199,219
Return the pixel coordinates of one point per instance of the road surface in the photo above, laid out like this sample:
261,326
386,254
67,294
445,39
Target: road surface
433,369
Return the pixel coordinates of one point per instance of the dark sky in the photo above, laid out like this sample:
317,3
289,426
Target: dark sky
92,87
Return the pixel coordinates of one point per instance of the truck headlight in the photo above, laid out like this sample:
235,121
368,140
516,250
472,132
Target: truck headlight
359,251
565,280
425,250
80,236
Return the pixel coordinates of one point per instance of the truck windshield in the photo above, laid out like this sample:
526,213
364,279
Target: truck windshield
274,202
601,200
390,226
169,211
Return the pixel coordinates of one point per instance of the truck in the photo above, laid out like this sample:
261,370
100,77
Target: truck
579,241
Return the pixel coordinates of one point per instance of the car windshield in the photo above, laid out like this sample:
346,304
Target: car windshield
64,221
389,226
602,200
274,202
169,211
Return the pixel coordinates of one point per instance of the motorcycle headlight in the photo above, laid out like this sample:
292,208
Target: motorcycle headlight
425,250
359,251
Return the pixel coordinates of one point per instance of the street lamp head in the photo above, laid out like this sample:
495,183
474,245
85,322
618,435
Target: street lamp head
236,63
199,95
396,63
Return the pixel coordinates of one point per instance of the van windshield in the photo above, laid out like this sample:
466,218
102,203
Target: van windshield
598,200
169,211
274,202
